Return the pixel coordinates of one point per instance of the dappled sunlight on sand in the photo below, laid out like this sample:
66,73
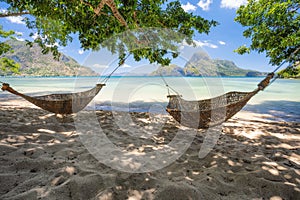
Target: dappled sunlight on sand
43,157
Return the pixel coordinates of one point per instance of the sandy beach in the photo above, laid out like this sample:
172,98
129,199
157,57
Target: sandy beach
255,157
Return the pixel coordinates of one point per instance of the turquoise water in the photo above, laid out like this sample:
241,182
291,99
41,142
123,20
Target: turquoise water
144,93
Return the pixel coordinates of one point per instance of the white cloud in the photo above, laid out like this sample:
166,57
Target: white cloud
198,43
13,19
222,43
99,68
205,44
19,33
232,4
52,45
125,66
20,39
80,51
188,7
16,20
3,11
204,4
35,36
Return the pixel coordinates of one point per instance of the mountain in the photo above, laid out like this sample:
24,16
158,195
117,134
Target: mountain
201,64
34,63
171,70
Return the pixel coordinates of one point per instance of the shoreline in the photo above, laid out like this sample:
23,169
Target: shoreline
283,111
254,158
146,76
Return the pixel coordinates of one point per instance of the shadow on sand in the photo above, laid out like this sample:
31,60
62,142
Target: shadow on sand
44,158
278,110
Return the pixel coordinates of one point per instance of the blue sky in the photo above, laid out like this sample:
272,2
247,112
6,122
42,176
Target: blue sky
219,43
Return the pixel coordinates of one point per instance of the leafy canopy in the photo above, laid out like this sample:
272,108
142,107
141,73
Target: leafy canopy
5,63
96,21
274,28
290,72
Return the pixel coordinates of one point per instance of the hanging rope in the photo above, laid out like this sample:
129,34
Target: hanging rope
261,85
168,87
277,68
276,77
109,75
292,54
120,64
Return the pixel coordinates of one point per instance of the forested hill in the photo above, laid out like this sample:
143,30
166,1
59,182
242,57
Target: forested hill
34,63
201,64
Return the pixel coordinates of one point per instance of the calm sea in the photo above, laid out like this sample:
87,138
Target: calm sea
280,99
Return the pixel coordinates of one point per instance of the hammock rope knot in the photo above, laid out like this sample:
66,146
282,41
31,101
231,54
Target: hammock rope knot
266,81
5,86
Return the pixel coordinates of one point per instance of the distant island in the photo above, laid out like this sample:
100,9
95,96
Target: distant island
34,63
201,64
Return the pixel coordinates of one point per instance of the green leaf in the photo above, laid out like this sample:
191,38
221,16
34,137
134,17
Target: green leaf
57,21
273,27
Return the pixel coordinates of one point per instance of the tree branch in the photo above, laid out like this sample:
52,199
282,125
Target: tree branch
99,7
14,14
111,4
116,13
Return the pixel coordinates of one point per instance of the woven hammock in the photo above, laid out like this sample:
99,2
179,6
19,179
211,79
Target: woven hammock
67,103
211,112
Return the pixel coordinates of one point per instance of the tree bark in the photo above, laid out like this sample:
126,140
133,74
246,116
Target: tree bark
14,14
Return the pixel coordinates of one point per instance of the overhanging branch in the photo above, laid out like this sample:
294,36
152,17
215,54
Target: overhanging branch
14,14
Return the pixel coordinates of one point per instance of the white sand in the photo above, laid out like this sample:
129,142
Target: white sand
42,158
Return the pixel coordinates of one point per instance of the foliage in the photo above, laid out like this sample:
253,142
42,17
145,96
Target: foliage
6,64
274,28
290,72
97,21
9,66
